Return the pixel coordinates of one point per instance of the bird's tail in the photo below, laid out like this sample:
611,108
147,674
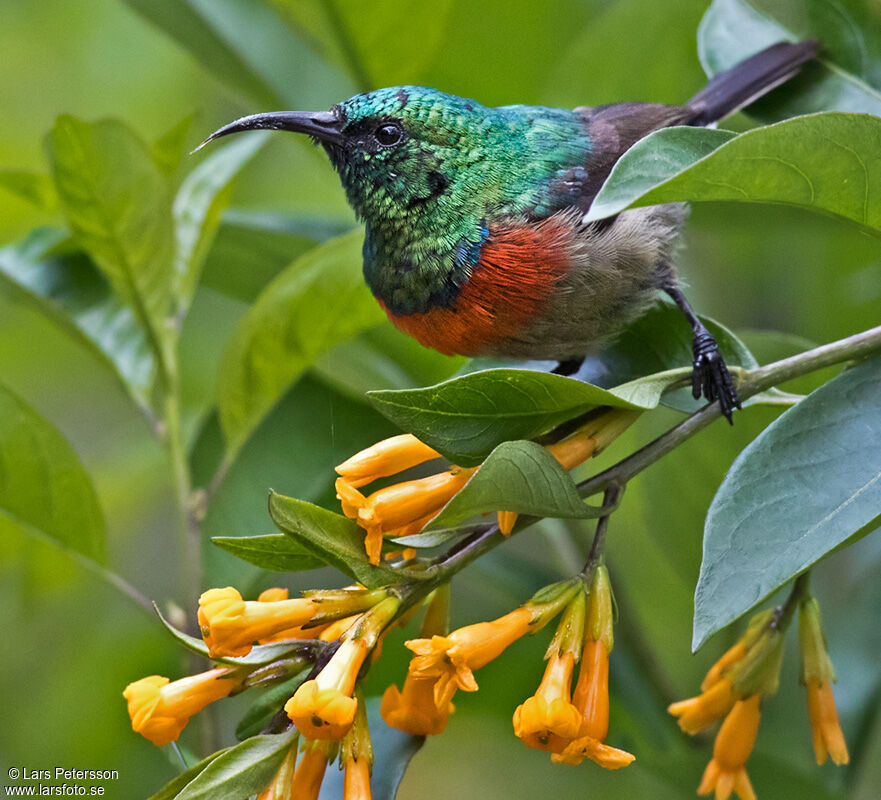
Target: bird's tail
747,81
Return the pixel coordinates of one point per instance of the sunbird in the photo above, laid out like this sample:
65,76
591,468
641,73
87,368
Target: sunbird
476,241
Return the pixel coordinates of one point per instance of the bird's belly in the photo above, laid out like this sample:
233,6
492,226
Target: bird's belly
579,286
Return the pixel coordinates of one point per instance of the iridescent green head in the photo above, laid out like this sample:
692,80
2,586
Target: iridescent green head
429,171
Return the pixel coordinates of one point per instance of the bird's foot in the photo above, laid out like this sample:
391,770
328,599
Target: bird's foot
710,376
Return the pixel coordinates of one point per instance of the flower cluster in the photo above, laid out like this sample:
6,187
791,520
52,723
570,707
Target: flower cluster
736,685
405,508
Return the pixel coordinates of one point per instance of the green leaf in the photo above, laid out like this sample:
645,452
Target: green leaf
246,46
361,38
275,551
260,653
48,272
318,301
168,149
34,187
521,477
848,75
807,485
252,247
118,205
822,162
269,703
242,770
174,786
43,486
466,417
197,208
331,537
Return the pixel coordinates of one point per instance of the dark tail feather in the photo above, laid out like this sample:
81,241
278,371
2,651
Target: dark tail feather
747,81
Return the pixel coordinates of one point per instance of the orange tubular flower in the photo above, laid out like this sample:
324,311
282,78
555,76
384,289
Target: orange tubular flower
280,786
700,712
817,675
401,509
825,728
450,660
324,708
385,458
357,781
413,709
230,625
547,720
726,773
160,710
300,632
591,698
310,771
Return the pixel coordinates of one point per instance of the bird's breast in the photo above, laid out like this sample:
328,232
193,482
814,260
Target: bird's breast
520,267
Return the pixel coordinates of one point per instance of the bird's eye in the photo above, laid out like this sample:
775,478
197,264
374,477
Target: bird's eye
388,134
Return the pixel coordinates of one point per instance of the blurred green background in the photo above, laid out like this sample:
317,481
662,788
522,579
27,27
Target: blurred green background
71,642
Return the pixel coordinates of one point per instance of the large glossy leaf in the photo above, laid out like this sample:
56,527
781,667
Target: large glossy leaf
360,38
168,149
118,204
242,770
43,486
821,162
197,208
314,304
516,476
35,187
466,417
274,551
806,485
49,272
245,45
848,76
331,537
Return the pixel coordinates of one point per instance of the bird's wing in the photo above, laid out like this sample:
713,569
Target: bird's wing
613,129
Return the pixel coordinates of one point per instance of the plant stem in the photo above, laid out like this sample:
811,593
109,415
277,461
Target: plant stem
752,383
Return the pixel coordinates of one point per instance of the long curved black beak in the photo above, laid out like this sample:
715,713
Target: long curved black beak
325,126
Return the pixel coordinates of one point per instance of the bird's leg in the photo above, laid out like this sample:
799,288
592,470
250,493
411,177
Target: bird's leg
710,376
568,367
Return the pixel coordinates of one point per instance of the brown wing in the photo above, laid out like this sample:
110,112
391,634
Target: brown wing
613,129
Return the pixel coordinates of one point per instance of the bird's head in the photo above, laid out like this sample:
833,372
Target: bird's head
410,155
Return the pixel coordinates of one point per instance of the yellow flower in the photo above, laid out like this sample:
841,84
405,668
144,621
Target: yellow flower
323,708
700,712
591,698
357,781
160,710
548,719
825,728
385,458
310,771
726,773
401,509
230,625
300,632
450,660
414,710
817,675
730,657
280,786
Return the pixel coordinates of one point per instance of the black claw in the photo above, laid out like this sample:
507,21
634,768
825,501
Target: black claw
710,376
